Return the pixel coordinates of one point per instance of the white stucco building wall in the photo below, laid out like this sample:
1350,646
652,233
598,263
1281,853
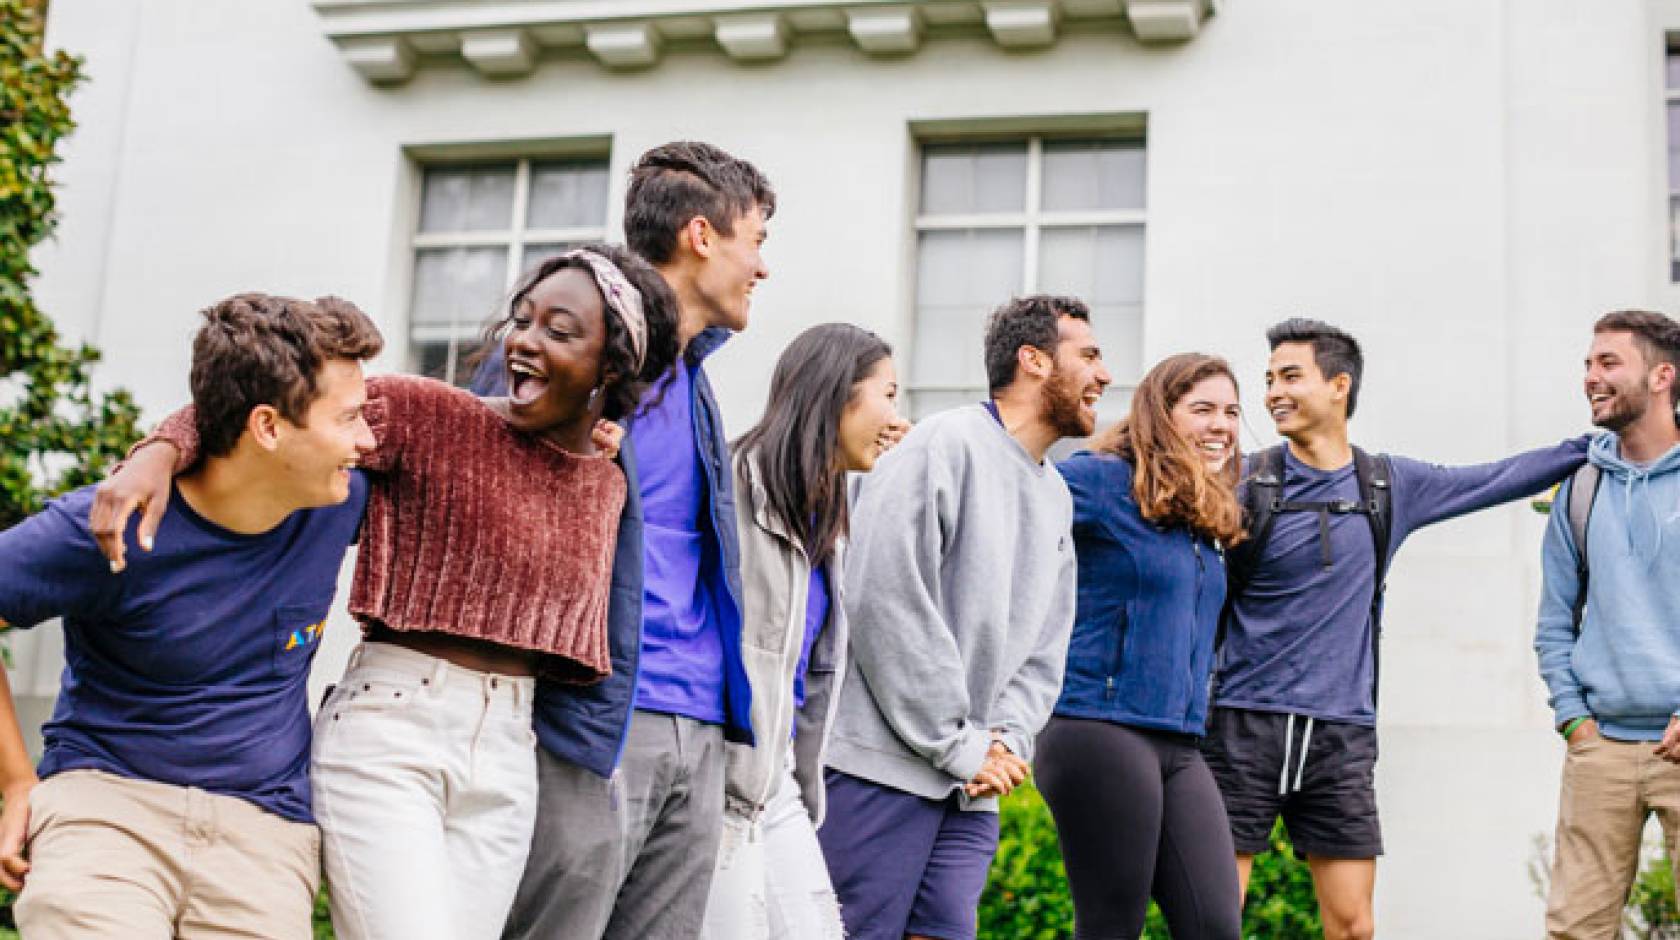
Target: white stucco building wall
1464,184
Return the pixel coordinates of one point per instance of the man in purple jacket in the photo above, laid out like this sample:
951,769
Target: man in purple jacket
1293,730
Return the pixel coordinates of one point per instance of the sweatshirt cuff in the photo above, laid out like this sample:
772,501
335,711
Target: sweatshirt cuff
1018,745
969,755
1567,711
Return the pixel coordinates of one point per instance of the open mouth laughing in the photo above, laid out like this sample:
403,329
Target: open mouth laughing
526,383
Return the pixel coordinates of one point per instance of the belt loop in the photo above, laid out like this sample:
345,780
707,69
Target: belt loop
356,656
440,673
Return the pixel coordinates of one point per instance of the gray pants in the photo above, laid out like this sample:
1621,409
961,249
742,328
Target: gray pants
629,858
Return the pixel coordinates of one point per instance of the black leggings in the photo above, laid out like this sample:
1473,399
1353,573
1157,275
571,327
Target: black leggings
1138,815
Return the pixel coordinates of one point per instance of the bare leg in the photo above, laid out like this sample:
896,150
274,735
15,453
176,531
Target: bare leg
1344,887
1245,864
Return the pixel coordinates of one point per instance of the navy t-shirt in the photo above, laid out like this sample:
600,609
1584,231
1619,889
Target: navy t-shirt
190,667
1299,638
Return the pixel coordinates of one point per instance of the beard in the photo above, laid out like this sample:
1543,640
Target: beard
1064,407
1627,405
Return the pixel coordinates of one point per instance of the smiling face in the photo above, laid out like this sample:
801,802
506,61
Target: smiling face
316,455
733,266
872,409
1076,381
553,347
1298,396
1207,416
1618,380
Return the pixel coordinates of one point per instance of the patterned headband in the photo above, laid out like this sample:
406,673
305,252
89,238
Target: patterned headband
622,298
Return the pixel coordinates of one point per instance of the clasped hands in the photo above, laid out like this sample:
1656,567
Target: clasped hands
1001,773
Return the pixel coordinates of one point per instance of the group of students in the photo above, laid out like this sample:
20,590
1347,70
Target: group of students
622,679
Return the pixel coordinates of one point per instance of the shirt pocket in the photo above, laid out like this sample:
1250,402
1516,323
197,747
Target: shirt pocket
297,634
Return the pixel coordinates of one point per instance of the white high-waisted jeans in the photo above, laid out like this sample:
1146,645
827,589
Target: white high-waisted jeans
771,882
425,784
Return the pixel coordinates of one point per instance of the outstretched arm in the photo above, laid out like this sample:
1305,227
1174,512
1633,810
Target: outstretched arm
1427,493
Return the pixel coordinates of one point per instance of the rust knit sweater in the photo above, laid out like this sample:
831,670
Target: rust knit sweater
475,529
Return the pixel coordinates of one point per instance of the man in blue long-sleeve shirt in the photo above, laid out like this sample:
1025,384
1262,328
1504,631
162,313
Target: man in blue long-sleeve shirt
1294,725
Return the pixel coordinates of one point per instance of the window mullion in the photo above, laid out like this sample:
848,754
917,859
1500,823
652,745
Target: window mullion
521,208
1035,200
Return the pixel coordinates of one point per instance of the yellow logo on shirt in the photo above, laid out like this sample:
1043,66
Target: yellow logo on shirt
308,635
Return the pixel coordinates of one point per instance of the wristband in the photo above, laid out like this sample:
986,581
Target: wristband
1570,726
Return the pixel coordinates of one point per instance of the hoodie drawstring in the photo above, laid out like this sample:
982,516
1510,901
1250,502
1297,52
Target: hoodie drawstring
1641,477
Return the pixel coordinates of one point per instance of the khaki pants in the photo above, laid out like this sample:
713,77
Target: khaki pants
1609,789
137,860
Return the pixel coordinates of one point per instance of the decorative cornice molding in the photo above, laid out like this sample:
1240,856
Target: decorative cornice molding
386,40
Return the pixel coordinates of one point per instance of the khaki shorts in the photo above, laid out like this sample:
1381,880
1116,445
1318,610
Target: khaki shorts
114,858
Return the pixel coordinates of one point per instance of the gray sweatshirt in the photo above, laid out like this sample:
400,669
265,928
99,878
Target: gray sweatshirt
960,595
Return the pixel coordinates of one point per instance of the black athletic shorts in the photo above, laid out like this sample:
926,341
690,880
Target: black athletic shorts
1326,796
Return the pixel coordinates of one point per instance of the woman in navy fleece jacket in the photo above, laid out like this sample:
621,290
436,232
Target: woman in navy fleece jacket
1136,808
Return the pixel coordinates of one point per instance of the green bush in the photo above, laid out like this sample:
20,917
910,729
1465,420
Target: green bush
56,431
1026,897
1651,912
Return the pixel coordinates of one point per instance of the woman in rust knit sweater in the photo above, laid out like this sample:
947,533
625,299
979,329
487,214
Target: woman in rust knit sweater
485,559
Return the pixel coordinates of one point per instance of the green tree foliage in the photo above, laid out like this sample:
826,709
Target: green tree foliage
56,433
1027,898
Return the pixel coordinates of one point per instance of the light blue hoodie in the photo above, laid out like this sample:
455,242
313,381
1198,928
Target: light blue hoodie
1624,668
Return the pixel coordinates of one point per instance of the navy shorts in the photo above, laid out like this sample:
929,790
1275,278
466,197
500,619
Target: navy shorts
903,864
1318,775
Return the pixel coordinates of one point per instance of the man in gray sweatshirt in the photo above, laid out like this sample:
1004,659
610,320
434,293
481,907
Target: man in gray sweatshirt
960,593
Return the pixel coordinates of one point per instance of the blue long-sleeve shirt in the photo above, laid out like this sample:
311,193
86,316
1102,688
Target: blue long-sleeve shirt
1299,637
1623,669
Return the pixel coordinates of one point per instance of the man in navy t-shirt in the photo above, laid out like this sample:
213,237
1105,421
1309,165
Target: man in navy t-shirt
1293,730
174,792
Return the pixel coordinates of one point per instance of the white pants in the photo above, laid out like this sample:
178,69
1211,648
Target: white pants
771,881
425,783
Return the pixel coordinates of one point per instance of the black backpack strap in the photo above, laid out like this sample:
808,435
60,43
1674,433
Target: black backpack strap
1262,499
1583,489
1376,492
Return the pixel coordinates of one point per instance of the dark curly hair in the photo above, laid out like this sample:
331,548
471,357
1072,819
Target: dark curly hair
257,349
1025,321
624,385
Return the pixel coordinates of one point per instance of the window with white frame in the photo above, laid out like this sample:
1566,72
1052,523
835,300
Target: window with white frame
481,227
1005,218
1671,70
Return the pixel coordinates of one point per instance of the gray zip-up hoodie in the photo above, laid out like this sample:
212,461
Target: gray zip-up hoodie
960,597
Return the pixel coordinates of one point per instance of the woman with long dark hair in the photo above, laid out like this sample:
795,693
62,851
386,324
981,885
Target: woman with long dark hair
831,412
485,561
1137,811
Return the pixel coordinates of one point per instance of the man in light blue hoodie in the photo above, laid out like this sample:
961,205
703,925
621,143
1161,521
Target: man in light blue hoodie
1614,674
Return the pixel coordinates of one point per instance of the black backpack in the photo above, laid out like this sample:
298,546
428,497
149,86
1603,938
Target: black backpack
1583,489
1263,501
